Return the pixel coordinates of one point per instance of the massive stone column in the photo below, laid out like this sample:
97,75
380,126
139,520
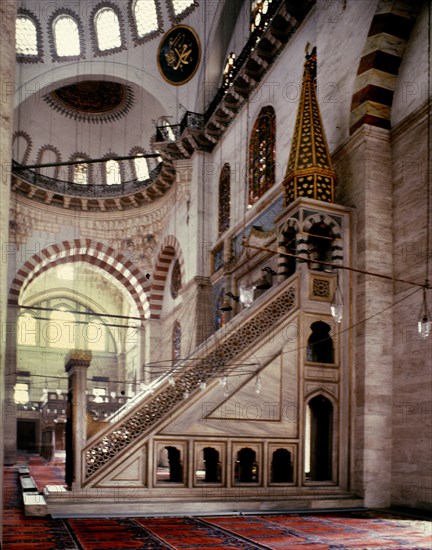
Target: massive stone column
364,168
7,83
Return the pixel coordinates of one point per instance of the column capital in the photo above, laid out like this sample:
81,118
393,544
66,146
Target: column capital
77,358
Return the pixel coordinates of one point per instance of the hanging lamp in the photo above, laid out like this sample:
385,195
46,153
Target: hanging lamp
425,322
336,306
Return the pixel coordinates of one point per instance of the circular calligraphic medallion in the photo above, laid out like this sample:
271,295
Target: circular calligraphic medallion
179,55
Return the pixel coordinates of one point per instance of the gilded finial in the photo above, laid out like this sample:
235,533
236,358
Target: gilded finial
310,171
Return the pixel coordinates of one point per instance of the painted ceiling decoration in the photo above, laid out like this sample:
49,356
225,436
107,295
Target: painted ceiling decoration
92,100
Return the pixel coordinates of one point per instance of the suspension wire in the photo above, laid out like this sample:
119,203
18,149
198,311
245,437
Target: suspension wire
76,312
336,266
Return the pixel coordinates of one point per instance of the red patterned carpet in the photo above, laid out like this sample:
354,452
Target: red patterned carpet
360,530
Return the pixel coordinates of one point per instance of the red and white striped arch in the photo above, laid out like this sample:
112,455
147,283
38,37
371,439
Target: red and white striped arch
94,253
379,65
168,251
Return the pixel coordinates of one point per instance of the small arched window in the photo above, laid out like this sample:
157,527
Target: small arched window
112,172
320,347
80,173
246,469
212,466
262,152
224,198
49,155
146,17
281,467
26,36
320,243
107,28
66,36
141,168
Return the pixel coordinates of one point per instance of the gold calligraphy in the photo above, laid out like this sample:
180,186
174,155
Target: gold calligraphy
179,53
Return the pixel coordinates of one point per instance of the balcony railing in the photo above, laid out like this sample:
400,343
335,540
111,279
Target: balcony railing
63,187
173,132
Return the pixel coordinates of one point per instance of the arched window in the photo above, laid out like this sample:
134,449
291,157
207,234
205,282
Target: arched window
112,172
320,242
80,173
146,19
141,168
211,465
224,198
49,155
167,131
262,151
26,36
176,342
27,330
107,28
246,470
318,439
320,347
66,36
175,464
281,467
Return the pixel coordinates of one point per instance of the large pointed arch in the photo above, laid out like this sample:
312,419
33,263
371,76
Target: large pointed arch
86,250
169,249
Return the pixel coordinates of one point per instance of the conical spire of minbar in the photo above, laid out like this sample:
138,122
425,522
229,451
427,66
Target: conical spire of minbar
310,171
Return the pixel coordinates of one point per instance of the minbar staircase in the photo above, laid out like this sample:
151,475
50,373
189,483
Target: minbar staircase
117,466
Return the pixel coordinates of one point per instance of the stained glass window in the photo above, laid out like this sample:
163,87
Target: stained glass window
80,173
66,36
107,27
145,14
26,36
176,279
262,151
224,198
176,342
